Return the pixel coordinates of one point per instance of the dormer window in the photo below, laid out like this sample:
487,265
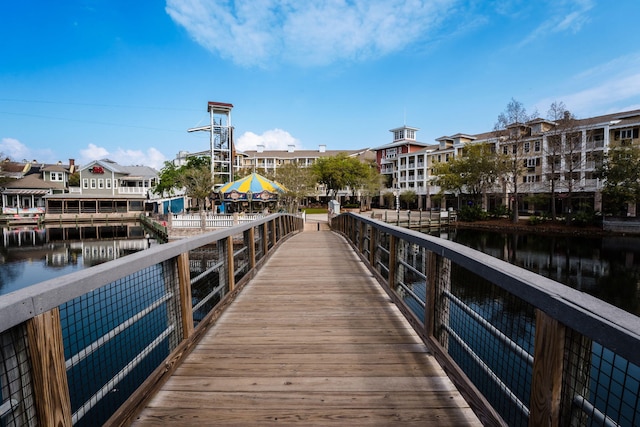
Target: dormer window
56,176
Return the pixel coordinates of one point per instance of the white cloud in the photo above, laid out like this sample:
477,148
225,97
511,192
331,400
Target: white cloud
260,32
275,139
17,151
92,152
609,87
126,157
565,15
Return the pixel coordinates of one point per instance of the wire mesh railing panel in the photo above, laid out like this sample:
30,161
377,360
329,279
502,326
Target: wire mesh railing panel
490,334
601,387
381,260
410,279
114,337
269,236
241,262
207,284
258,241
366,240
16,389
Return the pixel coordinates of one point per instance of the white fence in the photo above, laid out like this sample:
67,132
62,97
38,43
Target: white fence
212,221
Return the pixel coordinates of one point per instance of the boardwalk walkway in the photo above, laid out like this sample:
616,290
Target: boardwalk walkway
312,340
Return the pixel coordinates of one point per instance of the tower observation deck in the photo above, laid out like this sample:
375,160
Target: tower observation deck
220,141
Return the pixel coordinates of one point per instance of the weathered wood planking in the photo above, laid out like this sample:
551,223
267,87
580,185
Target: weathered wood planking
312,340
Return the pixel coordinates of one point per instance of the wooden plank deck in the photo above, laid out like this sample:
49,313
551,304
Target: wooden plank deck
311,340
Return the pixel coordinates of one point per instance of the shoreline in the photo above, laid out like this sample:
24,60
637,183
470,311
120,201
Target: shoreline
547,227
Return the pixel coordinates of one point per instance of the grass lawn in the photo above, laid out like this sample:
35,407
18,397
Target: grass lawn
315,210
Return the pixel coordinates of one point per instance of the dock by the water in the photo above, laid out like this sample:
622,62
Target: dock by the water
311,340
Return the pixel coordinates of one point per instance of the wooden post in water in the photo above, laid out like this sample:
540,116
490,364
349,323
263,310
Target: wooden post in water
49,375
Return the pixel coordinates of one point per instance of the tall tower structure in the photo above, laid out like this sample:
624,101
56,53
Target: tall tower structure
220,141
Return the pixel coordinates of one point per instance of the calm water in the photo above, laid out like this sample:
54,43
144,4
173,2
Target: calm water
605,267
28,256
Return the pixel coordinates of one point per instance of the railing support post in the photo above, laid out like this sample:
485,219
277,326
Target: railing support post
274,233
230,265
546,386
393,262
372,247
252,247
430,297
265,239
50,387
184,283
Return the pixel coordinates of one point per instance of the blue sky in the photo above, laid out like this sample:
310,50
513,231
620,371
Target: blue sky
93,79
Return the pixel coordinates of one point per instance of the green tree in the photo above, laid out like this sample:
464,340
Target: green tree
168,180
621,173
408,197
299,181
564,139
194,178
474,172
198,184
511,130
370,185
340,171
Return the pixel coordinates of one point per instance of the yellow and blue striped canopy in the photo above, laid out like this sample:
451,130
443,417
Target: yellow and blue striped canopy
253,186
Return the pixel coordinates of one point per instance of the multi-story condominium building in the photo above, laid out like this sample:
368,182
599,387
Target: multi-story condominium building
563,158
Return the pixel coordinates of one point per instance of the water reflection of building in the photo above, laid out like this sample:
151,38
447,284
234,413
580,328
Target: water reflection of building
94,252
578,271
59,247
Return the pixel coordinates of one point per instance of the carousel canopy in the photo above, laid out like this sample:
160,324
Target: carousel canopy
251,187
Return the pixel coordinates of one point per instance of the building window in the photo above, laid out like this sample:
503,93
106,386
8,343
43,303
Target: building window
411,134
56,176
397,135
108,183
115,183
626,134
527,147
101,184
536,146
85,183
93,183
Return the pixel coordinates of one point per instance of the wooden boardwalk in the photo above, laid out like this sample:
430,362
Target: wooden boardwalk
311,340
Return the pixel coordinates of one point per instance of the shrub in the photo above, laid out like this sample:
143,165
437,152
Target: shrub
583,218
471,213
535,220
499,212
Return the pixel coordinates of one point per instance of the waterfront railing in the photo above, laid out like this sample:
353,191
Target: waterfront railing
87,348
523,349
211,220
